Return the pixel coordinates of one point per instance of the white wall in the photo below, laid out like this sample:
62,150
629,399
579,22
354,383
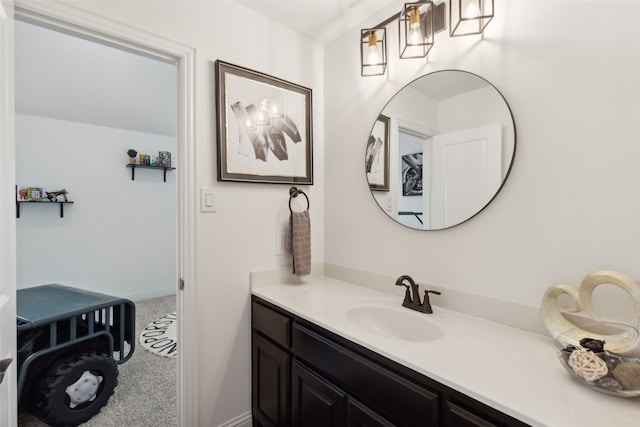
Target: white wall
241,236
119,235
570,205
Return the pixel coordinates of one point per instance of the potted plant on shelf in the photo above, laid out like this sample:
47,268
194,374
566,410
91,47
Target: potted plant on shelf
132,156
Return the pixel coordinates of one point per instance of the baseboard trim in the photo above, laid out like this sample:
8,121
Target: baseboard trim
152,294
243,420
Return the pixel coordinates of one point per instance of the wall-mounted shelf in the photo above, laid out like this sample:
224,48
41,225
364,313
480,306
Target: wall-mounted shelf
41,202
162,168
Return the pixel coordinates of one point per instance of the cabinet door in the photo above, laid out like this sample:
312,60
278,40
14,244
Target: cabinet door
315,402
359,415
270,375
403,402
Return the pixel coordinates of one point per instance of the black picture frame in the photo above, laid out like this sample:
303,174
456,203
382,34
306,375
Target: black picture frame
377,155
264,127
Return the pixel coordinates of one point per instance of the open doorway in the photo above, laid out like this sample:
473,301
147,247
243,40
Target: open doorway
120,236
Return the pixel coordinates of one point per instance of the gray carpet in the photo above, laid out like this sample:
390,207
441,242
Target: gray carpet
146,391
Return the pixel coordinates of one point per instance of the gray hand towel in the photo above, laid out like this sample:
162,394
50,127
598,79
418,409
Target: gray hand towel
300,234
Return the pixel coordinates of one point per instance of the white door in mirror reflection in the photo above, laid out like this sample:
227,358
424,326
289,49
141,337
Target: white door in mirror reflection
466,172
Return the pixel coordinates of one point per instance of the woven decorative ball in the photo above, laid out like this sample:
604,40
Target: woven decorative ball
587,364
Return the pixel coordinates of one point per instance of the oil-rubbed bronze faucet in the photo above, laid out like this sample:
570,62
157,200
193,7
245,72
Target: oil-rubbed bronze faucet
412,295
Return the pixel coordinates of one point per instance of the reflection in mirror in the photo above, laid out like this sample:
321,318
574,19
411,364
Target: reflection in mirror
440,150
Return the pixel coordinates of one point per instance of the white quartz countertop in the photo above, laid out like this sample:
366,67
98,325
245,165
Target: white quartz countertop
512,370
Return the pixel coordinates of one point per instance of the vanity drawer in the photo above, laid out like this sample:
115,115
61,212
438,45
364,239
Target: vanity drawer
462,411
271,323
397,399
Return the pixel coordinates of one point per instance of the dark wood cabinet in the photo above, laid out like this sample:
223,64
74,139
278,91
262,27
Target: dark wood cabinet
393,396
460,417
462,411
306,376
359,415
314,401
271,373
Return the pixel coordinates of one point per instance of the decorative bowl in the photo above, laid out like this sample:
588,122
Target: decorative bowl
604,356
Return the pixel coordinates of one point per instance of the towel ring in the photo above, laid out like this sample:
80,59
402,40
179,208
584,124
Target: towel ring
293,192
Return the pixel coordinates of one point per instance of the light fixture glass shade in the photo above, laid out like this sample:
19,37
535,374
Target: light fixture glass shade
469,16
415,29
373,51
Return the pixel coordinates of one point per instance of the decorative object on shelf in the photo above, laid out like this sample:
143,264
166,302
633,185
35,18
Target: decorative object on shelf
22,194
29,194
145,160
33,196
557,324
377,155
264,127
53,195
132,155
164,159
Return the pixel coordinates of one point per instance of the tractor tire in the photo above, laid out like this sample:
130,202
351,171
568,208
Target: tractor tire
75,389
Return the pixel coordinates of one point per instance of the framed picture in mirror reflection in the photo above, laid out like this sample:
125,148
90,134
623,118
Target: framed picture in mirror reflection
412,174
377,155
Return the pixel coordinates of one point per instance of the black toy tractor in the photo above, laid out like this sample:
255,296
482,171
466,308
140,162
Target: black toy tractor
70,342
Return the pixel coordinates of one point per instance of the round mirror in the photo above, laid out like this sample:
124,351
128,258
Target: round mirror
440,150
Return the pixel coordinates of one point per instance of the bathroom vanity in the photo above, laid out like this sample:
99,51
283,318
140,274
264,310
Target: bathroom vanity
306,375
329,353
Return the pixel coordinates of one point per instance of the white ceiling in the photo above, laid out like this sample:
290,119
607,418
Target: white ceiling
69,78
445,85
321,20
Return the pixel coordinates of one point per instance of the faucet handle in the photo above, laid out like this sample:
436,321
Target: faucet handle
426,304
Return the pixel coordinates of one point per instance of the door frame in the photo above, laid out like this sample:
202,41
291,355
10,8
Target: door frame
8,388
408,127
68,19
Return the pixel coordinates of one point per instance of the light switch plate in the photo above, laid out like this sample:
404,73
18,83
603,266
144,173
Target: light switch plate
207,200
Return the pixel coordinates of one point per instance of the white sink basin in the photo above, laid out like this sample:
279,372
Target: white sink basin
398,323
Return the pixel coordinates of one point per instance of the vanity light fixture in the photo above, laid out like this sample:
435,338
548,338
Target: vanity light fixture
373,51
418,22
469,16
415,31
